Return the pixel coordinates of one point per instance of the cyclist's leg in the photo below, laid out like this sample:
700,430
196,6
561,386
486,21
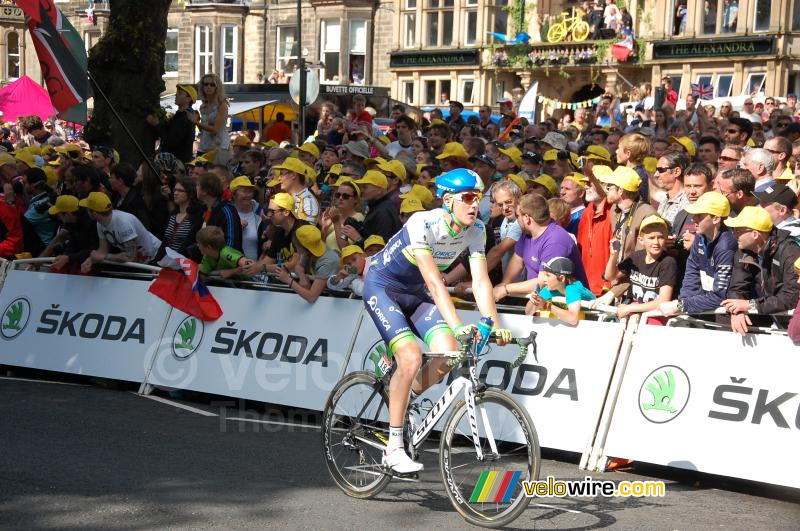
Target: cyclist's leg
439,337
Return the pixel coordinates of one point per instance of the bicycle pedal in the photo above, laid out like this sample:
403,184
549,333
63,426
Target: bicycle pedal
411,476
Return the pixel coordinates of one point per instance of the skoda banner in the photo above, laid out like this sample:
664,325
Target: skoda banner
710,401
563,390
81,325
268,346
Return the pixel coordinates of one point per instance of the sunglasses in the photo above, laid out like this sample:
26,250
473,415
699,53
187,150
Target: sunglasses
662,170
209,84
728,159
338,195
732,131
469,198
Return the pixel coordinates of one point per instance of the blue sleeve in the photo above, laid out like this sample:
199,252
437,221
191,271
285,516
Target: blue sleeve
577,292
691,278
545,294
723,268
230,231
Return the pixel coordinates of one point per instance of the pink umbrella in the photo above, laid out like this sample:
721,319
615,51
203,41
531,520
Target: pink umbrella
25,97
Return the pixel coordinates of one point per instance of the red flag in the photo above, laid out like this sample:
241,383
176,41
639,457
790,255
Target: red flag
186,291
623,49
66,80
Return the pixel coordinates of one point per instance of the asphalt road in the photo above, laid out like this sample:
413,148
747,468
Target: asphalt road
82,456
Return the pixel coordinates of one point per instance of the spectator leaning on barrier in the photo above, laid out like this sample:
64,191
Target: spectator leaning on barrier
594,233
119,230
218,257
219,213
383,218
354,267
710,262
280,235
794,323
764,280
81,237
780,201
317,261
186,220
558,280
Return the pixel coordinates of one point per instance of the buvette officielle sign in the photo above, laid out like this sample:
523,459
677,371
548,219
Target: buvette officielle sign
713,48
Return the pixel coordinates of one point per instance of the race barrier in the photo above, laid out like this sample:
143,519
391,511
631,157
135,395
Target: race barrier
710,401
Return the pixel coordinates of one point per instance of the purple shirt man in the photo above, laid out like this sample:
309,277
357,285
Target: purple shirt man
553,242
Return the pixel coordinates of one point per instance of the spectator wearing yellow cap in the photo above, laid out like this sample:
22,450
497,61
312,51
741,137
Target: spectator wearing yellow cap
631,152
40,228
346,202
573,192
764,266
308,153
422,193
354,268
453,156
373,245
383,216
556,163
650,272
117,230
283,224
543,185
710,261
293,176
669,175
508,160
243,191
317,264
408,207
177,134
396,174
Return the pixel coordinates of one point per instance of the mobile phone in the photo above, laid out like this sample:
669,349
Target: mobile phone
616,245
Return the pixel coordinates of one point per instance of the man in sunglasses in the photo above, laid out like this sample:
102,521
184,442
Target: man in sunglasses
737,132
405,296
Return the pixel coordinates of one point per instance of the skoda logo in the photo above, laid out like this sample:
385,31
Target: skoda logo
15,317
664,394
187,337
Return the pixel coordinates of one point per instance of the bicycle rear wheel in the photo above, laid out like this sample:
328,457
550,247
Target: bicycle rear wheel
556,32
580,31
355,428
489,492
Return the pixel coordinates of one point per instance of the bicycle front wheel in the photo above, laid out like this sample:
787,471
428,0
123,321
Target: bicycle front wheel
489,492
355,428
556,32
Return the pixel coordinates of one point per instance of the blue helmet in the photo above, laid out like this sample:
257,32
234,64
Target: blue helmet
458,180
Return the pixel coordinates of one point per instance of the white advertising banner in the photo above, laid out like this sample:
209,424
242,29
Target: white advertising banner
82,325
268,346
710,401
563,392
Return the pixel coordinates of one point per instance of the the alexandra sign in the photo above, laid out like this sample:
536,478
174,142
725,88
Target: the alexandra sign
713,48
448,58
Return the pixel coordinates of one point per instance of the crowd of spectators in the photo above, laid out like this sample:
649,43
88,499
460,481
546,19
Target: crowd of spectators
690,211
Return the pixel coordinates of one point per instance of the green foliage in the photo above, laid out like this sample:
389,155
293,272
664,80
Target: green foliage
602,48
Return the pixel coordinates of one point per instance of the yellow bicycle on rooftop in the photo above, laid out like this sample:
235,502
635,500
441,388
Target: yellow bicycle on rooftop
574,24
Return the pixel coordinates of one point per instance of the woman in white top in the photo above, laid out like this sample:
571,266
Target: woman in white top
213,124
242,190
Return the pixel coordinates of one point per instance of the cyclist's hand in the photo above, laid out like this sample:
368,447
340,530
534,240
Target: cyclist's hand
503,336
463,330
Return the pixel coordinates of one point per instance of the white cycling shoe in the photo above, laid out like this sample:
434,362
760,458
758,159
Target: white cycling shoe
399,462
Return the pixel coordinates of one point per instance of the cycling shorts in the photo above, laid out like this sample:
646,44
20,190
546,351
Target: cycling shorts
401,314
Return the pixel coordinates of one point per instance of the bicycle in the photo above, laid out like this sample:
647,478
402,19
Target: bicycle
574,24
486,431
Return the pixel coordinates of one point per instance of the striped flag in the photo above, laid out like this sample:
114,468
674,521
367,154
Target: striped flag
179,284
495,487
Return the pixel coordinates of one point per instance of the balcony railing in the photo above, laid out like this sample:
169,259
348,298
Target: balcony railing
556,55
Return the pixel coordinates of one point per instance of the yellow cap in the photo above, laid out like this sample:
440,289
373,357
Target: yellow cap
653,219
751,142
595,152
623,177
310,237
283,200
438,121
27,157
241,181
411,204
550,155
752,217
336,169
188,89
454,150
797,263
548,182
421,193
273,182
369,163
787,174
5,158
310,148
36,150
374,240
713,203
68,148
294,165
47,149
650,164
96,201
374,178
579,178
52,176
684,141
64,204
418,168
348,181
395,167
241,141
514,154
348,251
385,140
519,181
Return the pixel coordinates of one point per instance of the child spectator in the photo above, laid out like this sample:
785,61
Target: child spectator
82,235
650,271
557,274
373,245
354,269
217,256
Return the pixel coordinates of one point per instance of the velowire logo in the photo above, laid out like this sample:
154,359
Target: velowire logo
15,318
664,394
187,337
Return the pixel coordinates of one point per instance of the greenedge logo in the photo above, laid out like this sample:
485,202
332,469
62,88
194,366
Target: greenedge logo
15,318
664,394
187,337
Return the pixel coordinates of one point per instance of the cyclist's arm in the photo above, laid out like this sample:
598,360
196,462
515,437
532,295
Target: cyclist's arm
482,289
433,281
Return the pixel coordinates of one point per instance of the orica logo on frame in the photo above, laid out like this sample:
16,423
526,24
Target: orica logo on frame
664,394
15,318
187,337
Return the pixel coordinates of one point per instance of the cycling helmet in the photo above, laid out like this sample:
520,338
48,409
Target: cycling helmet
458,180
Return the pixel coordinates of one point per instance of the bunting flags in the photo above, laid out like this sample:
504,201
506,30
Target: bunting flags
558,104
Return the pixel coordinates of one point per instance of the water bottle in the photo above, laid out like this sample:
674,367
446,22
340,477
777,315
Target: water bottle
485,326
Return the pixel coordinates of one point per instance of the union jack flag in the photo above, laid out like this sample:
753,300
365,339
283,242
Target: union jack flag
702,91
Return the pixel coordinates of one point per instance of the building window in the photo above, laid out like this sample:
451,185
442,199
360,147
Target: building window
762,15
408,92
796,15
444,92
720,82
358,51
90,39
730,16
680,14
12,55
436,92
171,53
501,17
330,41
676,80
229,53
203,51
467,90
710,16
287,52
471,23
754,84
410,33
439,23
430,93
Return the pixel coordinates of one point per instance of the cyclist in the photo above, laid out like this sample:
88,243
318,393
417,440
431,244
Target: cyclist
406,296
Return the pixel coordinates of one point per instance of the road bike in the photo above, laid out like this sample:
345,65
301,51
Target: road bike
487,448
574,24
